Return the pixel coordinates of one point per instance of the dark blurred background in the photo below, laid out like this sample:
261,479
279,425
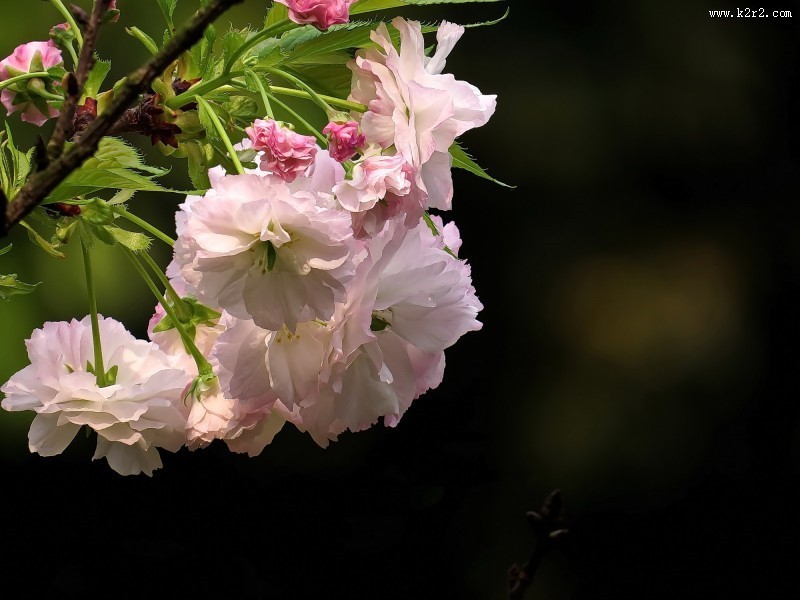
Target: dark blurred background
639,348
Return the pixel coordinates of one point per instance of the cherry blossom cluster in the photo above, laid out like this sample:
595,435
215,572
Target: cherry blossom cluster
317,289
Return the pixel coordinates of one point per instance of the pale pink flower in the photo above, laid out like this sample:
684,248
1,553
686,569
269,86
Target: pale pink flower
35,109
286,154
372,179
409,301
413,106
213,414
345,139
381,187
256,249
138,413
320,13
422,292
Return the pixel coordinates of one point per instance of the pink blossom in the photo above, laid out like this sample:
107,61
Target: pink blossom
381,187
409,301
346,139
286,154
320,13
413,106
34,108
139,412
372,179
213,414
260,251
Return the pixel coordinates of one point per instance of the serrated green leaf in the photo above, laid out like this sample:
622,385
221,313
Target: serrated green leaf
11,286
96,78
115,153
90,180
373,5
232,41
462,160
121,197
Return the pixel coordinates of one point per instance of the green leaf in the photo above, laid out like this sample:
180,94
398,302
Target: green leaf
231,42
6,250
332,80
96,78
11,286
90,180
462,160
276,13
115,153
113,166
168,9
15,165
145,39
372,5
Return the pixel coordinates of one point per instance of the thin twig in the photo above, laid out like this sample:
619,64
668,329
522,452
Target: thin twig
40,184
548,527
74,84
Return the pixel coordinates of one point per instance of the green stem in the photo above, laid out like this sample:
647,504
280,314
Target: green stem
261,90
99,368
222,133
23,77
303,86
144,225
260,36
321,138
72,55
203,366
59,6
48,96
200,89
177,301
282,91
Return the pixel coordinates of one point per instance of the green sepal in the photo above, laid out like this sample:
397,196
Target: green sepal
378,324
111,375
97,212
65,228
272,256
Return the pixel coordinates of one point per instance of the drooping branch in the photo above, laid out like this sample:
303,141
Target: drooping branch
548,527
41,183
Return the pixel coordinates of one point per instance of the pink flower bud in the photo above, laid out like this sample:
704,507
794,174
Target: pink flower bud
345,139
34,109
319,13
286,154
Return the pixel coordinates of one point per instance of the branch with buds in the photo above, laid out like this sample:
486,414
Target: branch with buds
61,164
548,527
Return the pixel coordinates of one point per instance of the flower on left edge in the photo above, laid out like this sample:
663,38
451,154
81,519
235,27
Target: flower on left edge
30,58
141,411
